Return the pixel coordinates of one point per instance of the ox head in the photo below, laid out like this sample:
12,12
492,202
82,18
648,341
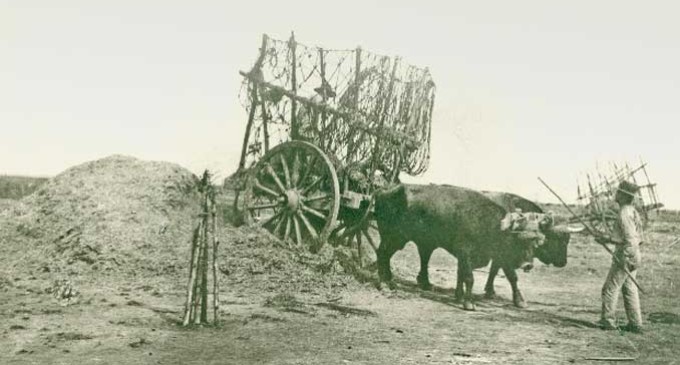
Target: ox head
525,239
554,249
535,234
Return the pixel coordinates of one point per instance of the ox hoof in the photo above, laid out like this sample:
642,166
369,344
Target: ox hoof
490,294
424,285
520,304
519,301
391,285
469,306
458,296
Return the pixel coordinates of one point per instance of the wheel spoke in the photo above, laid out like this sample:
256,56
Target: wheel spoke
298,235
306,190
264,206
266,190
272,173
317,198
287,232
370,239
358,235
286,172
295,174
279,224
273,218
349,232
308,225
308,170
313,211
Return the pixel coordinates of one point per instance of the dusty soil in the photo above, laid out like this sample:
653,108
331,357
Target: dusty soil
285,306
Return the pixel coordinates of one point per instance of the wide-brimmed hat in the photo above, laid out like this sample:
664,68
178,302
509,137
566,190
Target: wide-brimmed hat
628,187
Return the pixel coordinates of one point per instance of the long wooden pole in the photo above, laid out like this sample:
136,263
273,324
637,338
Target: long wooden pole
292,45
592,232
253,102
322,68
355,104
265,124
216,286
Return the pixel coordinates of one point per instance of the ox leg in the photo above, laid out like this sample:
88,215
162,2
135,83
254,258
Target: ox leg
517,297
460,287
465,268
423,277
384,255
489,291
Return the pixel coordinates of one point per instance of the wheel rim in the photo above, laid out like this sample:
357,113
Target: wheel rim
356,229
293,192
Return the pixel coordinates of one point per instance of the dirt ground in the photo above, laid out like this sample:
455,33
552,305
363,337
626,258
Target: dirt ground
274,312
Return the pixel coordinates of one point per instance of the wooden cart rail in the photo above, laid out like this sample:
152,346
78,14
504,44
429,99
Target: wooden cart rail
355,120
357,106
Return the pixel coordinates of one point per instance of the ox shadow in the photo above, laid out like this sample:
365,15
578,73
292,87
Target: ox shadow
440,294
499,306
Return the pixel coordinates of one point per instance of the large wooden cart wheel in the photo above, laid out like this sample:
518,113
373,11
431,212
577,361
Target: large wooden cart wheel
293,192
356,229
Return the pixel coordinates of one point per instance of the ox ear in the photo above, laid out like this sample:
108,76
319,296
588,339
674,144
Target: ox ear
506,222
548,220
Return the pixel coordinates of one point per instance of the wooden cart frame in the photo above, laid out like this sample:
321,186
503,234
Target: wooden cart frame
325,129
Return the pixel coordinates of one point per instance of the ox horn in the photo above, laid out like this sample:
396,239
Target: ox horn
565,228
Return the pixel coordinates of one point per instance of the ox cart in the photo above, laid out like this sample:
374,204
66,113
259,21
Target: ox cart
597,194
325,129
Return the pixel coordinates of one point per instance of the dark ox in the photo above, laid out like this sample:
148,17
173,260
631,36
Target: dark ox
464,222
553,251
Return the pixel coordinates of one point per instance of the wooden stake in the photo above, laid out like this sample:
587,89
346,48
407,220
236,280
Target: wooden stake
199,276
204,263
192,276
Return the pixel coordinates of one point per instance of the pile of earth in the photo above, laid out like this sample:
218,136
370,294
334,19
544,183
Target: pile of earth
253,261
123,216
113,214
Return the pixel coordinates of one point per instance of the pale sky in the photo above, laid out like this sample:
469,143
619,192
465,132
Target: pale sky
524,88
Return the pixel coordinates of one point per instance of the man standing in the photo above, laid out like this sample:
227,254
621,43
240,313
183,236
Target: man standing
627,236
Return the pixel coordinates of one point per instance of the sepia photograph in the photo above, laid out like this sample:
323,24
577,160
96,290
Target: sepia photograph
343,182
